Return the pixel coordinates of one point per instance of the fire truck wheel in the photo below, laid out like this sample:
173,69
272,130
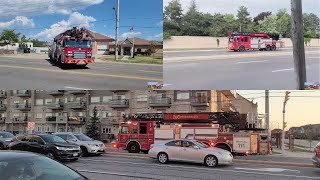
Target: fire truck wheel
163,158
211,161
241,48
133,147
268,48
273,48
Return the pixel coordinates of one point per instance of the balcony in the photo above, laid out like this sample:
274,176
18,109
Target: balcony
76,105
20,119
54,93
76,120
3,107
24,93
119,103
62,119
23,107
77,91
3,94
58,106
51,119
200,101
159,101
2,120
227,106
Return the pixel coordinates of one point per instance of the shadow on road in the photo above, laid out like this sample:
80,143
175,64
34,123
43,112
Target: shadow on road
66,66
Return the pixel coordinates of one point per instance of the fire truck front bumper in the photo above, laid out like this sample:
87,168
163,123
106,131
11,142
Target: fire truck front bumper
79,61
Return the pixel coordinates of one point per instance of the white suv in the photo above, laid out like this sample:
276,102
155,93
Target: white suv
87,145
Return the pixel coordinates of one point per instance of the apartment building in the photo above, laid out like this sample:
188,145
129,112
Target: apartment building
54,111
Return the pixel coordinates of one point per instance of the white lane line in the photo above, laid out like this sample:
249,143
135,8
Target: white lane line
268,169
247,62
198,168
69,87
280,70
113,173
150,71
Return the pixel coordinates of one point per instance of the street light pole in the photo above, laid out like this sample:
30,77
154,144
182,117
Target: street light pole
267,112
298,43
283,126
117,30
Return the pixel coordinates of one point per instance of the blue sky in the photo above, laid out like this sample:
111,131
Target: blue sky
45,18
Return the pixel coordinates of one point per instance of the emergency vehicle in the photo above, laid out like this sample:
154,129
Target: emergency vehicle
254,41
72,47
216,129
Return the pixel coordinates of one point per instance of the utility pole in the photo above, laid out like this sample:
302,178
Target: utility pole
298,43
284,123
117,30
266,112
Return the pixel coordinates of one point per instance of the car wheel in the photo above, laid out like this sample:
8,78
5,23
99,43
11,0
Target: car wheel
50,155
2,146
163,158
133,147
84,151
241,48
211,161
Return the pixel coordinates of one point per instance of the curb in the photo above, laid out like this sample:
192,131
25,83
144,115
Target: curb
234,160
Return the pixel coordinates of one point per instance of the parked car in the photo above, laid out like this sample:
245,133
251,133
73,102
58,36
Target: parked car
190,151
50,145
26,50
87,145
26,165
316,157
5,139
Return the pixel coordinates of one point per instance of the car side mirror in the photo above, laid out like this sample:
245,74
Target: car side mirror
74,140
196,147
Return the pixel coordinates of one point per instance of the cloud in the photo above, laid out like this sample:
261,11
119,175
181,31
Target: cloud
159,36
75,19
130,34
160,24
17,21
11,9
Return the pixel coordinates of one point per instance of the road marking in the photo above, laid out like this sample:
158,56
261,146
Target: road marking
247,62
206,169
268,169
69,87
150,71
280,70
83,73
116,174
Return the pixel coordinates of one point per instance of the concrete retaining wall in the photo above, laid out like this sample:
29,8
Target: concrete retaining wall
204,42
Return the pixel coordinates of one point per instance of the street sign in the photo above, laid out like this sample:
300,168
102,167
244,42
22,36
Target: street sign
31,125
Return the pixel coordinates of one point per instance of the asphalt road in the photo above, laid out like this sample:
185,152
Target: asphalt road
236,70
131,168
36,72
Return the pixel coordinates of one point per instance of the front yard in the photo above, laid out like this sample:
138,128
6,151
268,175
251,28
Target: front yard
136,59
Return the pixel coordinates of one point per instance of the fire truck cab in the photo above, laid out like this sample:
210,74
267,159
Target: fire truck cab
253,41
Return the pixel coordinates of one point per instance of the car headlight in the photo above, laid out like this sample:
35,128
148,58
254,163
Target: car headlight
61,148
92,145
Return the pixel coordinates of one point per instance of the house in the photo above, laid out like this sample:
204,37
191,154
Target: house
140,46
100,43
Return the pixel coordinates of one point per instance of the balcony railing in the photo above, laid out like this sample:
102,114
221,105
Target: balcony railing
159,101
3,107
23,107
76,120
57,92
77,91
20,119
119,103
23,93
3,94
55,106
200,101
51,119
76,105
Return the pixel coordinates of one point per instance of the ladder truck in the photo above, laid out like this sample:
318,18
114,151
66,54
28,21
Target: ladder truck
72,47
216,129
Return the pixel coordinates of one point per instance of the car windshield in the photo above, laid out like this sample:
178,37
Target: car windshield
6,135
78,43
200,144
231,39
53,139
83,137
36,167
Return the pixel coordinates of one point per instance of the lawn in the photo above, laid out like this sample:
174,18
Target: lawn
137,59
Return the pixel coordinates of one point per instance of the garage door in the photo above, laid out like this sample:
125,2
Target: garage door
102,49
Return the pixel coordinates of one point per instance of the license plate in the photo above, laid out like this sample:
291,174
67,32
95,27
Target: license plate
75,154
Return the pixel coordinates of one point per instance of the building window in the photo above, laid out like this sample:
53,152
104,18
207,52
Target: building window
106,130
183,95
16,115
16,102
48,114
48,101
106,114
138,50
38,115
39,102
142,98
95,99
106,99
81,114
39,128
58,100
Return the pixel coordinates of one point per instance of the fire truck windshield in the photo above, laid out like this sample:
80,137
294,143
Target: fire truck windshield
77,43
200,144
231,39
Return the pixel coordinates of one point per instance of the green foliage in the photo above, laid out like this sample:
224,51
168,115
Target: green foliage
37,43
8,37
243,18
306,41
284,23
269,25
93,127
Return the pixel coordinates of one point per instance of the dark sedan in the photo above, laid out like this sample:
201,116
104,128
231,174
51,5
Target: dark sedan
50,145
29,166
316,157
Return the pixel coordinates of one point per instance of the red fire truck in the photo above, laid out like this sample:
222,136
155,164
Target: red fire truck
219,129
253,41
72,47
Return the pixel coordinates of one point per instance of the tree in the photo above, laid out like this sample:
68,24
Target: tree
38,43
243,18
8,37
261,17
172,19
93,128
269,25
311,25
192,22
284,23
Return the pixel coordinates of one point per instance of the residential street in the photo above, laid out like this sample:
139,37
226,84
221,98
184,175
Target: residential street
116,167
36,72
222,69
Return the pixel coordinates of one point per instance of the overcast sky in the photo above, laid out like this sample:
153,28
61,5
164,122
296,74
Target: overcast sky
254,6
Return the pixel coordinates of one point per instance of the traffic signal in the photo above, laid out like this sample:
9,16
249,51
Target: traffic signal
286,97
284,125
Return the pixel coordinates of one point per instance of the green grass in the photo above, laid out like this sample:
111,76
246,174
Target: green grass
186,49
137,59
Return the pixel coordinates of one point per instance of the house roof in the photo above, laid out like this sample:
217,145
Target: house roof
140,41
98,36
